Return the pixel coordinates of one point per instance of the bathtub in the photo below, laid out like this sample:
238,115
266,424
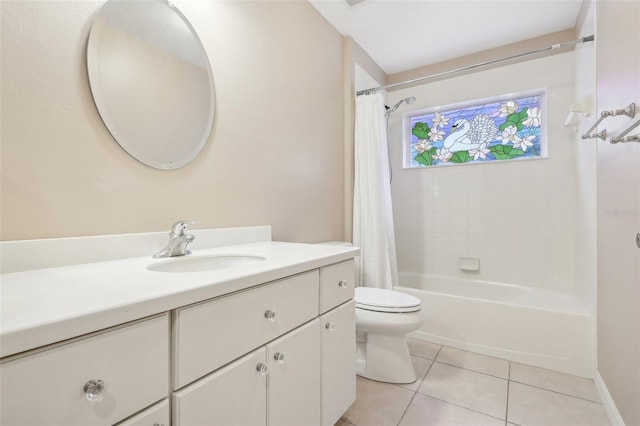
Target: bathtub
529,325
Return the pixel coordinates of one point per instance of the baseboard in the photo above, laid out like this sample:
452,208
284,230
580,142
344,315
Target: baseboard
609,406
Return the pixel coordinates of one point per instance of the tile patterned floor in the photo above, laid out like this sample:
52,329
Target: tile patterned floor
460,388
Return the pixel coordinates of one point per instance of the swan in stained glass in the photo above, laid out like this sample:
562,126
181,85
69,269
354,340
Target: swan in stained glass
466,135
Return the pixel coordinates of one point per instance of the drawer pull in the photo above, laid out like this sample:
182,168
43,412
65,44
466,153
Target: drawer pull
279,356
93,389
270,315
343,284
330,326
261,368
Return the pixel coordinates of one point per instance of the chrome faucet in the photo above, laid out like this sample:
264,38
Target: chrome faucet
178,240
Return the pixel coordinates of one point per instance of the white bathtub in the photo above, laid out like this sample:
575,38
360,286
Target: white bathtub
529,325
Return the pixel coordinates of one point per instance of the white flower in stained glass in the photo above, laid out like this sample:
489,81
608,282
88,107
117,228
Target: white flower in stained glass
423,145
440,120
533,117
435,134
508,108
442,154
523,143
509,134
480,152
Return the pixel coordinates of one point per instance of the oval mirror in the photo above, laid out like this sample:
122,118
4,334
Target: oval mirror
151,81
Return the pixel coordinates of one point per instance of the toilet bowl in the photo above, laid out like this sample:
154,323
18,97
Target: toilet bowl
383,318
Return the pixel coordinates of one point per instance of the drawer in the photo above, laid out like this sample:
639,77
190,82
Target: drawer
48,387
157,415
212,334
337,284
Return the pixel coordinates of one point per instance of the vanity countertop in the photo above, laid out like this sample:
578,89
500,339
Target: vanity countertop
44,306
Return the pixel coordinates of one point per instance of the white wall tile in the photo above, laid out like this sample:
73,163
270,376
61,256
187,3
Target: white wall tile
518,217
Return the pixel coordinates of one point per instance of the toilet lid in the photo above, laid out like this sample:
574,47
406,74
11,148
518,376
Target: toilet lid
381,300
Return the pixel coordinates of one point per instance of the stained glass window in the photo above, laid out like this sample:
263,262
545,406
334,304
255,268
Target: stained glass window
496,129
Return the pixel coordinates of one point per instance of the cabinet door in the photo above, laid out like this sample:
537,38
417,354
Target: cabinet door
233,395
294,377
338,362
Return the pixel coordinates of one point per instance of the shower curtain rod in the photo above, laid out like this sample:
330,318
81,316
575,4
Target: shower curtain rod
478,65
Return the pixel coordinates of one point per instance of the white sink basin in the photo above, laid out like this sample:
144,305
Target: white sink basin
204,263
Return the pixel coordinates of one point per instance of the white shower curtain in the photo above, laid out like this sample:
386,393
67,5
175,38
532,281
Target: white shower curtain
372,209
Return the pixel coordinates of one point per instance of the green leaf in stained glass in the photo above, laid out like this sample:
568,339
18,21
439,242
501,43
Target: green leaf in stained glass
421,130
461,157
505,152
523,114
509,122
515,152
424,158
515,119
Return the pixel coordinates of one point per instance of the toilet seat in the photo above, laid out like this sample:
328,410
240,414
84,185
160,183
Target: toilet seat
381,300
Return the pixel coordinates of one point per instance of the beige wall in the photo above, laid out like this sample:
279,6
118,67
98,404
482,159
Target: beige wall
275,156
618,176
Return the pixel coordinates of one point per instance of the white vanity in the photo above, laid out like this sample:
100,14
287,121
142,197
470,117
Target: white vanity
269,342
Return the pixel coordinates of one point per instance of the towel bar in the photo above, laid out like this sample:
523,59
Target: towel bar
629,111
622,137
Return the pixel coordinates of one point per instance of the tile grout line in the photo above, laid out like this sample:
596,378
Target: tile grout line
406,408
508,378
475,371
506,414
510,364
460,406
469,369
415,392
556,392
433,361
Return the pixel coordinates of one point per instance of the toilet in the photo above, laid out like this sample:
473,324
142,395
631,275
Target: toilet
383,319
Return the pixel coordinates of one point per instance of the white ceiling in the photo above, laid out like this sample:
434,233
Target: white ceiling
405,34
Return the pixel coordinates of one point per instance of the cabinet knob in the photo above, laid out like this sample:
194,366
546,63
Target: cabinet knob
270,314
343,284
330,326
261,368
93,389
279,356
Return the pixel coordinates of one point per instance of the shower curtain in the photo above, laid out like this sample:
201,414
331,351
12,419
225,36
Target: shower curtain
372,210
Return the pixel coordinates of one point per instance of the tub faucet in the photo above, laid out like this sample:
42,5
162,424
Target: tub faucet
178,240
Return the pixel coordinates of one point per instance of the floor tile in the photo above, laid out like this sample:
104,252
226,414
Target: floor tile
552,380
473,361
420,366
423,349
427,411
377,404
530,405
477,391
